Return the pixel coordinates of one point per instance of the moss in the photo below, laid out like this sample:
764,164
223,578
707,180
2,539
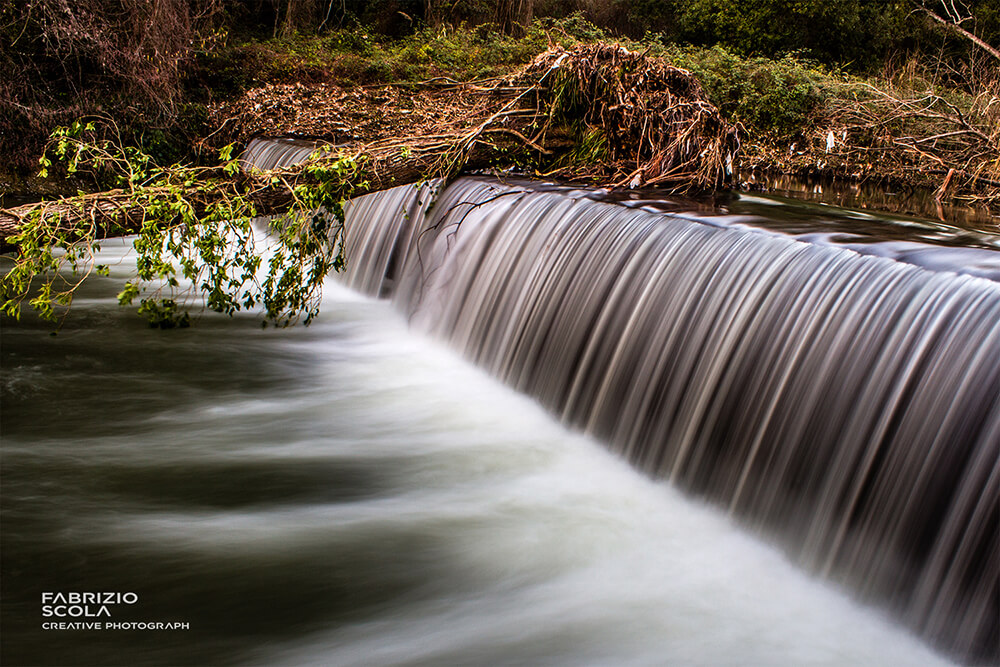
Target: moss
356,55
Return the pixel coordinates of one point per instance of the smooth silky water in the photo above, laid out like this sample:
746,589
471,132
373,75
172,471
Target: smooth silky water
353,493
840,397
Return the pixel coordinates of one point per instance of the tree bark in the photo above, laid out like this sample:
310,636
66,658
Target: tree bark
513,17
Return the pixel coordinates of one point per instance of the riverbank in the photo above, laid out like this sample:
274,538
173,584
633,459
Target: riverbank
907,128
902,131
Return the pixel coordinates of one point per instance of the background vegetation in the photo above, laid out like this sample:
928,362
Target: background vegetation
154,66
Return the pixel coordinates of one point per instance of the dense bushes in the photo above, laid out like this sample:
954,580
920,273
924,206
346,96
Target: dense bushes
63,50
856,35
63,59
831,31
771,97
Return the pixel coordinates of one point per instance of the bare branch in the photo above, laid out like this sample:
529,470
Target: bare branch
953,25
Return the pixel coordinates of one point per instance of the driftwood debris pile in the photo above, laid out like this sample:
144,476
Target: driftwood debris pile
926,135
655,119
598,112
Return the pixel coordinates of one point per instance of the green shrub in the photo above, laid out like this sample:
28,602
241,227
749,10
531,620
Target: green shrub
773,97
836,32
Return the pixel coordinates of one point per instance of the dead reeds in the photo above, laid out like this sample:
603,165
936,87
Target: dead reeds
926,135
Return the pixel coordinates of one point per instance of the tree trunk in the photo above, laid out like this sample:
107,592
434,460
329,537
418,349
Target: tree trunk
431,17
513,17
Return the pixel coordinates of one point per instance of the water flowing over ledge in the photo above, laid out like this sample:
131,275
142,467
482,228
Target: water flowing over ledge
847,405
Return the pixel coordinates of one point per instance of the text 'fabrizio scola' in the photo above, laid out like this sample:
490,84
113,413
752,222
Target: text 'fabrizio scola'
84,605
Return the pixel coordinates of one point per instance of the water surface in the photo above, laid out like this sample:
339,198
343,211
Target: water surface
353,494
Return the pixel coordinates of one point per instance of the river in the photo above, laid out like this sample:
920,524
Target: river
355,493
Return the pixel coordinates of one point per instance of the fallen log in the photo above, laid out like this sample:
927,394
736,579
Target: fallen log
121,212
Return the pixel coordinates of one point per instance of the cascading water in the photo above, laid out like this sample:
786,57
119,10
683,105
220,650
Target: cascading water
848,405
351,494
277,152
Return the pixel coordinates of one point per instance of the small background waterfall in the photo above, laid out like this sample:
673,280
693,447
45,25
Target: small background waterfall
847,404
793,399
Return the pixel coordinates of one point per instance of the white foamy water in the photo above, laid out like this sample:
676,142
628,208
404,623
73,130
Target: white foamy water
353,494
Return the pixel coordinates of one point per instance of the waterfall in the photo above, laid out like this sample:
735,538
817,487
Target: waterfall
278,152
845,405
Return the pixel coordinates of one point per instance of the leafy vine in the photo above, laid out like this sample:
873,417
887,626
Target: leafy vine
194,234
